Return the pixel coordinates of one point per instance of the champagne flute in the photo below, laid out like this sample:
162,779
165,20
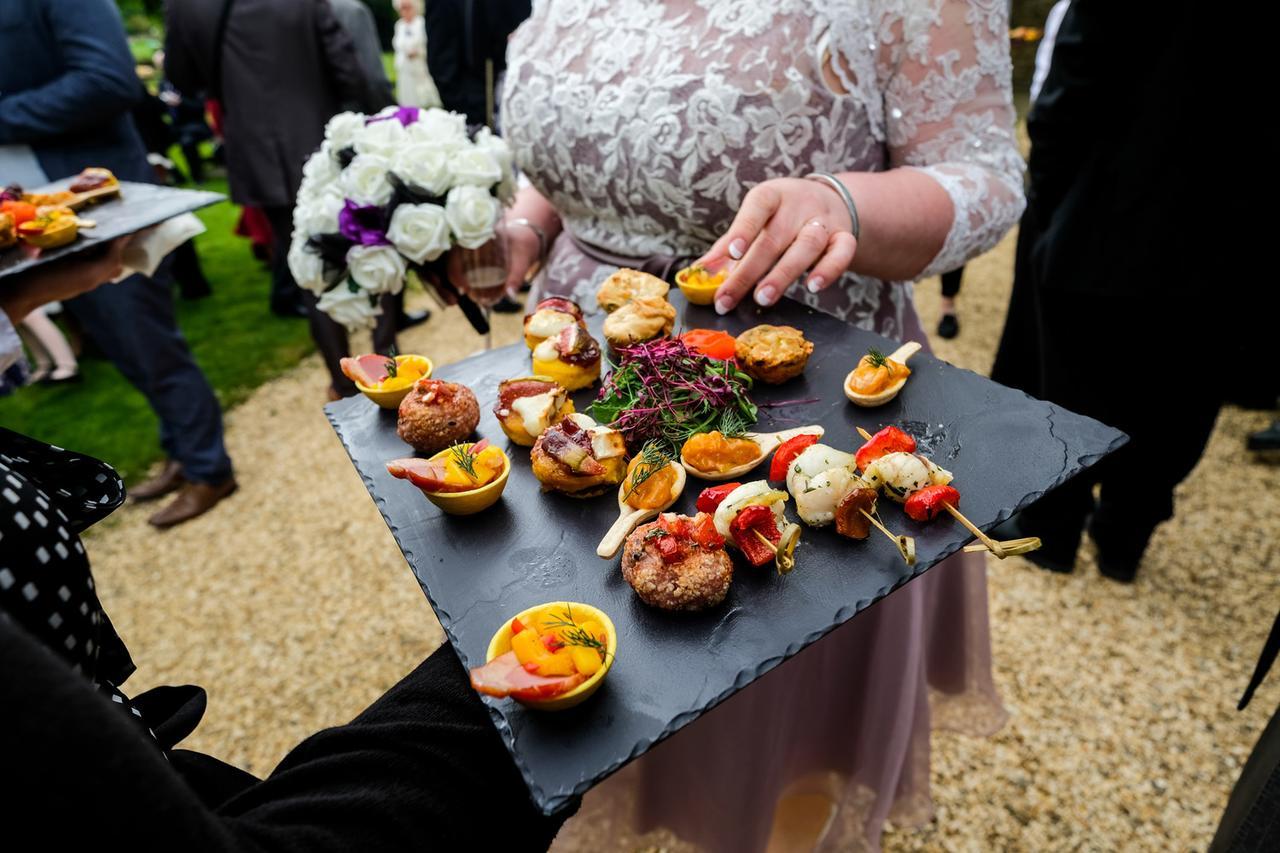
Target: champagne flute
485,269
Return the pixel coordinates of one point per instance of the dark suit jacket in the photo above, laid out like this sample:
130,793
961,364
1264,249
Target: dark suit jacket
287,67
67,84
461,35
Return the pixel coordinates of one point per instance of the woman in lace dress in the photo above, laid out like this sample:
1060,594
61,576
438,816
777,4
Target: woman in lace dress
414,86
684,129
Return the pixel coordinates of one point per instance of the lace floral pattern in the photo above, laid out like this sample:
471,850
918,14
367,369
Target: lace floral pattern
645,123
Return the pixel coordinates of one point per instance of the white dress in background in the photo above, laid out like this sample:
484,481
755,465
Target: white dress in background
414,86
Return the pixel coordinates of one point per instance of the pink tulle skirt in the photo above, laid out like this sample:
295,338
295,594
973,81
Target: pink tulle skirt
848,718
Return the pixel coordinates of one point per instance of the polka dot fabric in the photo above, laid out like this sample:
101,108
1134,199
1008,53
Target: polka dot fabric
47,497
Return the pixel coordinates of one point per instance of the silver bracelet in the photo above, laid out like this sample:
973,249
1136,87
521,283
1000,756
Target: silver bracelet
838,185
542,236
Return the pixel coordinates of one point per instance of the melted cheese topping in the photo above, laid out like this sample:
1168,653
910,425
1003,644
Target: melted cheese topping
546,323
536,411
546,351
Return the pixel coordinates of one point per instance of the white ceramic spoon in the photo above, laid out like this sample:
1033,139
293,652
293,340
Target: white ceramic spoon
766,441
900,355
629,518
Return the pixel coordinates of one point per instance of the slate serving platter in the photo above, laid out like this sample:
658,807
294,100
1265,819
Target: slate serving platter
137,207
1005,448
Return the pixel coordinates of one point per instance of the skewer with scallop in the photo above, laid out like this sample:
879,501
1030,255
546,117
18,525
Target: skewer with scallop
752,517
826,486
889,461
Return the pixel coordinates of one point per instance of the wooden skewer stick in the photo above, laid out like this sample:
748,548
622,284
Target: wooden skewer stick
1012,547
906,545
990,544
765,540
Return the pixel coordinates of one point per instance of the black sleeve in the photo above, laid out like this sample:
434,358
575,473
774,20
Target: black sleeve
421,769
342,64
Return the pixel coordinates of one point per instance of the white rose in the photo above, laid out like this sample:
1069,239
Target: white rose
318,172
425,166
495,145
474,166
306,265
354,309
318,213
439,127
365,180
419,231
382,138
378,269
472,213
341,130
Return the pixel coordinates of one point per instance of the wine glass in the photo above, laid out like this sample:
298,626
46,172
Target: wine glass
485,269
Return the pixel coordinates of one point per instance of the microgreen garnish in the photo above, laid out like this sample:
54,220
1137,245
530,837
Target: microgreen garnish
662,391
875,358
574,634
652,459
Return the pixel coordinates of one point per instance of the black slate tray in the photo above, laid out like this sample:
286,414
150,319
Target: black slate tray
1004,447
137,207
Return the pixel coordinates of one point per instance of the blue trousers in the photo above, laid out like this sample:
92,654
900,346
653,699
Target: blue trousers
133,323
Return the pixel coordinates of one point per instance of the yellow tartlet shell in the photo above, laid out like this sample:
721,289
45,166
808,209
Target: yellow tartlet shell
391,398
571,376
501,644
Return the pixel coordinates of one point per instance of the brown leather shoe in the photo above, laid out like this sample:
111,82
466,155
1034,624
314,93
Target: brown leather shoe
168,480
194,499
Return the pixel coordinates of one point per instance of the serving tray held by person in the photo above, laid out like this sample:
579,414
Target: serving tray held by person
831,162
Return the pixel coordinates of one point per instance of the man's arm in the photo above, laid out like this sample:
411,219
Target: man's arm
97,82
180,65
340,59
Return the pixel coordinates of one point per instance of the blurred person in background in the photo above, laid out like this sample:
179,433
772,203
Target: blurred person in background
1097,278
67,85
279,70
53,360
357,19
414,87
469,52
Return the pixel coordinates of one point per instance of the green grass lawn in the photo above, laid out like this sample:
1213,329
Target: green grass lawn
237,341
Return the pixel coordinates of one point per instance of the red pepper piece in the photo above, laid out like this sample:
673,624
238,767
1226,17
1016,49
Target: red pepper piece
705,533
926,504
744,527
787,453
711,343
713,496
671,549
886,441
516,626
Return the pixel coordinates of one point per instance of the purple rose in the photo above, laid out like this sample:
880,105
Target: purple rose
405,115
365,225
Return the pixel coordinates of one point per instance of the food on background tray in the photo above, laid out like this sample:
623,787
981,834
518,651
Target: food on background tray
578,457
8,233
712,343
714,452
435,414
21,211
625,285
549,657
53,227
12,192
459,468
773,354
639,320
752,517
678,562
663,391
94,180
527,406
699,284
548,318
570,357
60,198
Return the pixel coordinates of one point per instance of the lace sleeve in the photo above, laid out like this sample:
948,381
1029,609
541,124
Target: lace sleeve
944,71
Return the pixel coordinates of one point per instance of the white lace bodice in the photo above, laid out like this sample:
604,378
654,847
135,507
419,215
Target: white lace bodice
645,123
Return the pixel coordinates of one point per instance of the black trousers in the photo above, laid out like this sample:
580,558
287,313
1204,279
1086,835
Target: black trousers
951,282
329,335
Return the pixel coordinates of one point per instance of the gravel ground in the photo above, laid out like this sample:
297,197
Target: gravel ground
293,607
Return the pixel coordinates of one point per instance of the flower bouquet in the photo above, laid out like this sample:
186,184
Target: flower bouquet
390,193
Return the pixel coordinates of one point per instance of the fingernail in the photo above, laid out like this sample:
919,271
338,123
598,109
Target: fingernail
766,296
723,306
815,283
737,249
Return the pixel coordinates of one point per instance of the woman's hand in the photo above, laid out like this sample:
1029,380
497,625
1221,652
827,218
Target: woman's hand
785,227
522,253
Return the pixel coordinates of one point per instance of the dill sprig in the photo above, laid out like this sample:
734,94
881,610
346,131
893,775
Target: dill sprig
652,459
392,368
464,459
876,358
574,634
